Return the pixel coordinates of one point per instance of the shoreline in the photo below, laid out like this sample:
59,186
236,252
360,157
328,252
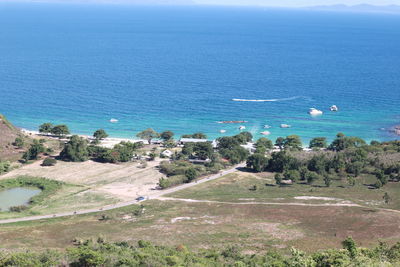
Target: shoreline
108,142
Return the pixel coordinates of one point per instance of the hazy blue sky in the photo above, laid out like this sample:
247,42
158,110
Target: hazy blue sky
274,3
298,3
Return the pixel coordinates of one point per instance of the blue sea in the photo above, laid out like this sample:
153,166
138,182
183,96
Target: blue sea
178,68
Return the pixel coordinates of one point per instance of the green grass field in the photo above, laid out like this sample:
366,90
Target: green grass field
237,187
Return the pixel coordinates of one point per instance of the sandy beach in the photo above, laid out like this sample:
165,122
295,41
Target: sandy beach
108,142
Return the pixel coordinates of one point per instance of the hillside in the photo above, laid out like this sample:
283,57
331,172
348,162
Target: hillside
8,133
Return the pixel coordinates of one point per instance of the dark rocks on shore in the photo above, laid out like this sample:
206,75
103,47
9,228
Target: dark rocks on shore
395,130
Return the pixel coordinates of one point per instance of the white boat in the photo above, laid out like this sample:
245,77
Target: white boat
315,112
242,127
285,126
266,133
222,131
113,120
266,126
334,108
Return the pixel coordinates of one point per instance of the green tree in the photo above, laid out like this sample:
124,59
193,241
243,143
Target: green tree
244,137
235,155
46,128
199,136
148,134
281,161
167,136
343,142
263,144
293,142
191,174
34,150
60,130
227,142
76,150
318,142
100,134
195,136
257,162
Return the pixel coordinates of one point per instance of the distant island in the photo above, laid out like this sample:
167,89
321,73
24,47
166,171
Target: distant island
393,9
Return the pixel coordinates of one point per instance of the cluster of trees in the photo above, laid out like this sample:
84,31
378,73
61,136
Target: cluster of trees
195,136
92,253
229,147
345,157
57,130
77,149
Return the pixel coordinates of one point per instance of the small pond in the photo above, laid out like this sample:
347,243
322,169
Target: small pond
16,196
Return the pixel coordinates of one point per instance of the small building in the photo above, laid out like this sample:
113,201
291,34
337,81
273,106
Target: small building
249,147
183,141
156,142
199,161
167,153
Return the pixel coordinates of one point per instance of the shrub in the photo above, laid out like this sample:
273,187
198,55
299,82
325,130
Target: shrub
292,175
18,208
33,152
311,177
49,162
19,142
4,166
191,174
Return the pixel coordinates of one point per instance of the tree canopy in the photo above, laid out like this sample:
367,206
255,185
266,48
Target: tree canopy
148,134
100,134
60,130
75,150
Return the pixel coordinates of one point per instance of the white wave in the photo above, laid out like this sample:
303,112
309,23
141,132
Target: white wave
269,100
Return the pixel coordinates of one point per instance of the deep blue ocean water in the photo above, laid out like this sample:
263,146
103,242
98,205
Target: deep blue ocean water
177,68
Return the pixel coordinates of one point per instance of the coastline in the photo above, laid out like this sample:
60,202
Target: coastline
108,142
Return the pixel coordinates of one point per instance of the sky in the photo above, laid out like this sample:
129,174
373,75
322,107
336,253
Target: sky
271,3
298,3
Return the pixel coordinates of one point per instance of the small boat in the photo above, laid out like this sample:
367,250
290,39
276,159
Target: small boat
266,126
285,125
113,120
314,112
222,131
266,133
334,108
242,127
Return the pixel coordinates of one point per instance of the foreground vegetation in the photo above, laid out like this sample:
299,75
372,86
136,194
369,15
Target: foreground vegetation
102,253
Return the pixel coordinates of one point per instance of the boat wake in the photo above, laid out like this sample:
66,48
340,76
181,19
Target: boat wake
270,100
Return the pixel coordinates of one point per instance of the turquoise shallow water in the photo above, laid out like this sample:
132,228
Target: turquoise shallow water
178,68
